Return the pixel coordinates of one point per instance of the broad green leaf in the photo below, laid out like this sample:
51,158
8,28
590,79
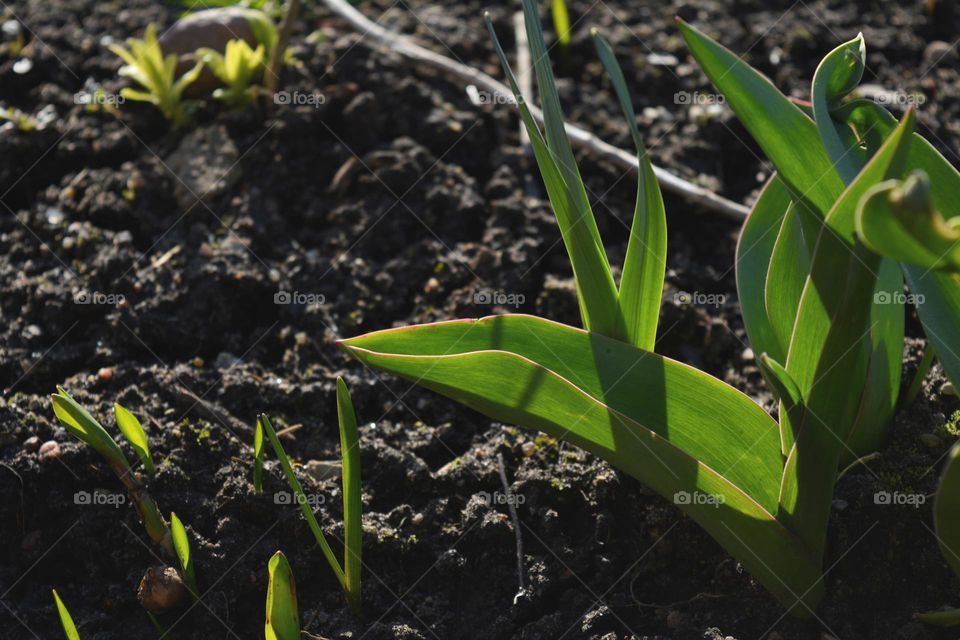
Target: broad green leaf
754,250
838,74
181,544
641,284
897,219
827,359
258,452
939,313
85,428
683,434
69,628
133,431
282,618
596,290
352,498
787,136
301,499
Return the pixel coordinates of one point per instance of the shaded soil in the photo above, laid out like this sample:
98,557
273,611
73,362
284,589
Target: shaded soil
397,201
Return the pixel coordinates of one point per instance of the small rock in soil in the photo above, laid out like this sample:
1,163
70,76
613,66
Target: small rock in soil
204,166
49,450
31,444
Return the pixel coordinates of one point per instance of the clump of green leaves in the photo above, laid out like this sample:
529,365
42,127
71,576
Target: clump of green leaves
69,628
348,574
236,69
282,618
79,422
156,75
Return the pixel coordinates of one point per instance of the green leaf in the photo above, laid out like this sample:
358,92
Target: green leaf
686,433
946,618
898,220
827,359
561,21
946,510
838,74
181,544
754,252
352,498
69,628
258,452
787,136
133,431
787,390
596,289
282,618
301,500
939,313
85,428
641,284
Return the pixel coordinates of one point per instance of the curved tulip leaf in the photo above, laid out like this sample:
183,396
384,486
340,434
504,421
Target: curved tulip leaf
133,431
829,360
898,220
787,390
755,247
787,136
678,430
641,284
837,75
283,619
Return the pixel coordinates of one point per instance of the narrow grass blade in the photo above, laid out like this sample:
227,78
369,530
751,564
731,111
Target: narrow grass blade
686,436
282,617
787,136
69,628
258,452
641,284
133,431
181,544
352,498
301,500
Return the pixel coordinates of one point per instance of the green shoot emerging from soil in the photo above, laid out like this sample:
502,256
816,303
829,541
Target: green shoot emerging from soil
146,65
85,428
69,628
349,573
282,618
181,544
236,69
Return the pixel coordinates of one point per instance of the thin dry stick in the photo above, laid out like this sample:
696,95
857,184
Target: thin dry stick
388,40
521,570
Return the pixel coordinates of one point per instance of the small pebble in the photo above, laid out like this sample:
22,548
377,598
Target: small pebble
105,374
417,519
432,285
948,389
31,444
747,355
49,450
528,449
198,362
930,440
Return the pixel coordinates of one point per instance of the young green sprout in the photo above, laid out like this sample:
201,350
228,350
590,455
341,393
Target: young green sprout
133,431
348,575
156,75
181,545
236,69
85,428
282,619
69,628
258,453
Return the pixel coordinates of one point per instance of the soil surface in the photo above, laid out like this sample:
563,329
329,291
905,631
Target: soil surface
382,196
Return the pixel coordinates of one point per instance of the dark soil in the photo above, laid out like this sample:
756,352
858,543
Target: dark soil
429,210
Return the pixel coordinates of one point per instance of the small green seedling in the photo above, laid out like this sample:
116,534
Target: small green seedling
85,428
561,23
282,618
946,519
133,431
236,69
181,545
258,453
156,74
18,119
349,574
69,628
